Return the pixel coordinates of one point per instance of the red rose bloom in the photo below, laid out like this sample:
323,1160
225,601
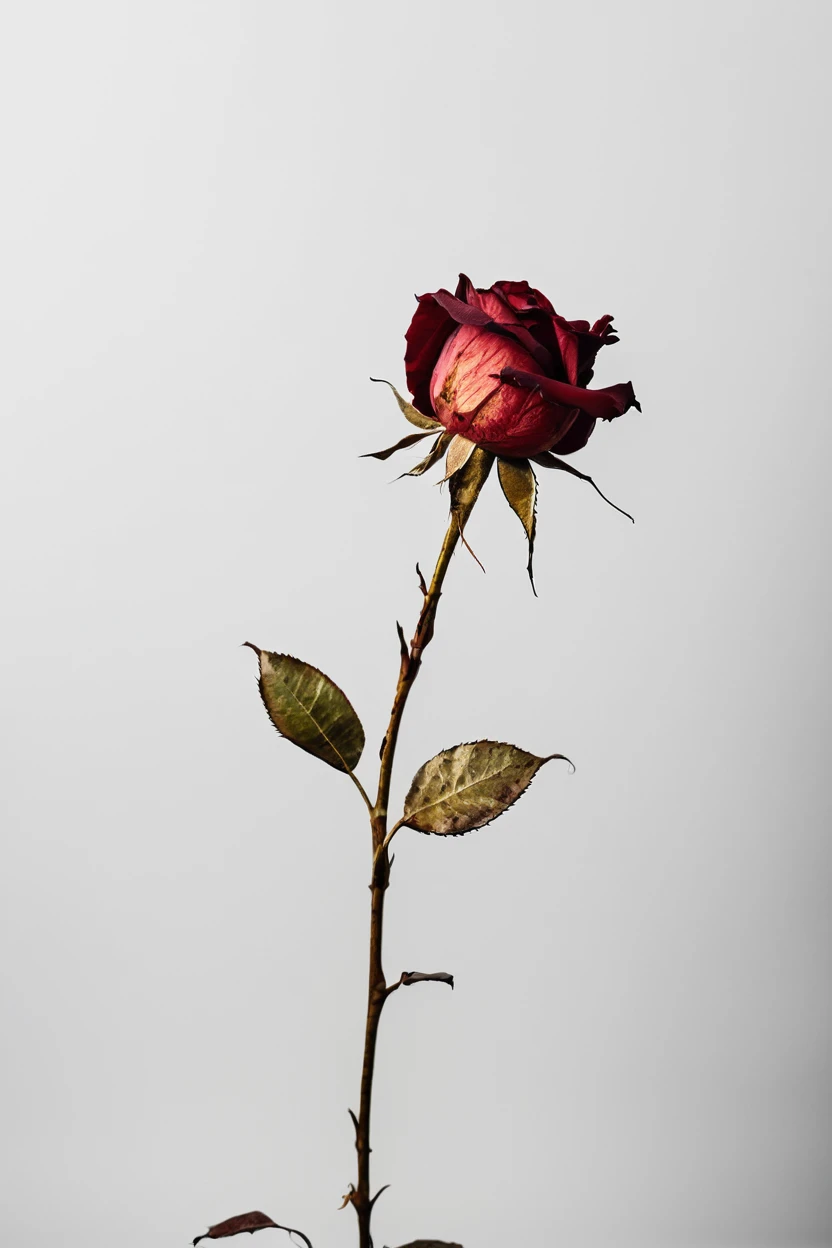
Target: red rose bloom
501,368
497,375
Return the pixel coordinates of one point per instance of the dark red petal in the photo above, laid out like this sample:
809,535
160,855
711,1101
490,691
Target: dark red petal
568,343
461,312
464,288
523,297
576,438
601,326
579,346
479,318
604,404
428,332
535,348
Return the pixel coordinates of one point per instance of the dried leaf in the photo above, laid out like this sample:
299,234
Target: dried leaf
409,440
469,785
408,410
420,977
433,456
309,709
459,452
250,1222
430,1243
548,460
520,488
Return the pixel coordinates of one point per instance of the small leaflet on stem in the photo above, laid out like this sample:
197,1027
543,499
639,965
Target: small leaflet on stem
430,1243
309,709
421,977
248,1223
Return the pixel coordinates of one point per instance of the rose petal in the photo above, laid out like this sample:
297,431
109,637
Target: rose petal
603,404
486,310
523,297
575,438
467,372
425,337
461,312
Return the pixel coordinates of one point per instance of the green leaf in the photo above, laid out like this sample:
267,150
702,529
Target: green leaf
411,413
520,488
309,709
469,785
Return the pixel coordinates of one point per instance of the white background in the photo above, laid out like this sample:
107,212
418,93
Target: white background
215,217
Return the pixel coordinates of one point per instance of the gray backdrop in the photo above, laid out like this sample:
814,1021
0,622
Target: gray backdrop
215,217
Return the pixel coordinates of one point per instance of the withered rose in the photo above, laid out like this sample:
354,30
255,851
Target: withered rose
503,369
499,372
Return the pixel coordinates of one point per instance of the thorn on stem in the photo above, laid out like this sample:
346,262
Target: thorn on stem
403,646
378,1193
422,584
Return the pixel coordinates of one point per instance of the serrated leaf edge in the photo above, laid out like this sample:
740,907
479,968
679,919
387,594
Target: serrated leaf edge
311,666
403,823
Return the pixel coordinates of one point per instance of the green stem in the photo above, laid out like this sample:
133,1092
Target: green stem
464,493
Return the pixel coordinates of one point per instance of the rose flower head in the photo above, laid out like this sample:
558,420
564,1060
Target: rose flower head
499,369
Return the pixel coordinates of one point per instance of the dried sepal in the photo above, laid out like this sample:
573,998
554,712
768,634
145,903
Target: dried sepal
519,485
309,709
548,460
411,413
466,484
409,440
469,785
460,451
433,456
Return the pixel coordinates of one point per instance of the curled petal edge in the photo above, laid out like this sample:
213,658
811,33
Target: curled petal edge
603,404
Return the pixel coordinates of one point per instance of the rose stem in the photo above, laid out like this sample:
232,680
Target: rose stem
463,497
